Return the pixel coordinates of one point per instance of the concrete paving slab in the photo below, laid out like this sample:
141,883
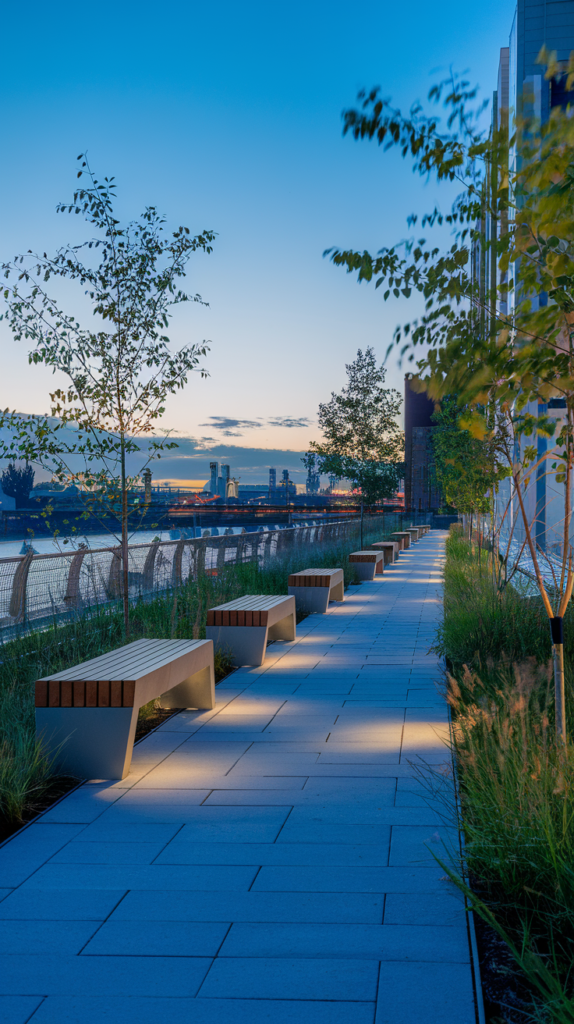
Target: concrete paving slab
292,979
421,845
53,974
180,779
65,937
152,876
91,1010
60,904
108,853
127,832
256,907
416,992
18,1009
429,944
158,938
320,878
271,853
425,908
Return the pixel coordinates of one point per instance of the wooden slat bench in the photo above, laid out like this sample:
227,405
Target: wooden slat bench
86,716
246,625
367,563
314,588
390,549
425,528
403,537
415,534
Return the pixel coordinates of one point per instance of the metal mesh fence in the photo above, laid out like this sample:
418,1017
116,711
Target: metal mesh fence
36,587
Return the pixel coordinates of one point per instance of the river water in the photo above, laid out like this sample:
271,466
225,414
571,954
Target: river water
49,545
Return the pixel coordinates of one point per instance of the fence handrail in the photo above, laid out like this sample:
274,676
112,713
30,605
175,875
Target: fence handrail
188,540
34,589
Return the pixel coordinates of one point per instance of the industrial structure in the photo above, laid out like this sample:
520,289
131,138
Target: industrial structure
222,485
281,492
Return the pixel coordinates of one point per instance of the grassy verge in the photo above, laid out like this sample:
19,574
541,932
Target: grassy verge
516,783
27,781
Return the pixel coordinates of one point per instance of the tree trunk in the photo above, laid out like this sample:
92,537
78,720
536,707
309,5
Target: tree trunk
124,545
362,513
557,630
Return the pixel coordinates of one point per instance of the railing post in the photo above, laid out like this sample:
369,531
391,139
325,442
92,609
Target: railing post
73,596
115,577
149,566
17,608
177,561
220,560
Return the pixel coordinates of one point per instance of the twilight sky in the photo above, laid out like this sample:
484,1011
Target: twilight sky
228,116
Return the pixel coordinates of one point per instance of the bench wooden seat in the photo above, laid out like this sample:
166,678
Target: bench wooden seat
246,625
314,588
86,716
367,563
403,537
390,549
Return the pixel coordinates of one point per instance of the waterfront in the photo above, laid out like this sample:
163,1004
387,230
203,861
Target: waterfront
95,541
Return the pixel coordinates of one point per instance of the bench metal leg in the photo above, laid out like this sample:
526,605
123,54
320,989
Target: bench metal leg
246,643
285,629
90,743
196,692
311,599
338,592
364,570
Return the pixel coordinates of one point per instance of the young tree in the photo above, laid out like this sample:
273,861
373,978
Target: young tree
500,336
119,371
17,482
362,440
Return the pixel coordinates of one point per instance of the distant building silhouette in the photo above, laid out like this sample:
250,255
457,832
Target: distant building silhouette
421,493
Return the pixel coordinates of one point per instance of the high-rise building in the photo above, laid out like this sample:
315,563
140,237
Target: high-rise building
213,467
523,89
272,484
421,492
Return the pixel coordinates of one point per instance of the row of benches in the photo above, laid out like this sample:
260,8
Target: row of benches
73,707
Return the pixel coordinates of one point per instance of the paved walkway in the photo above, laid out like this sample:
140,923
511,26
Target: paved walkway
265,862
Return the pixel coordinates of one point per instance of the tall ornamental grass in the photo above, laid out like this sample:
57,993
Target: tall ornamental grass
516,782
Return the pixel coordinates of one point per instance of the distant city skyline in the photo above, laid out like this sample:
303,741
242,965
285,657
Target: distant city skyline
229,118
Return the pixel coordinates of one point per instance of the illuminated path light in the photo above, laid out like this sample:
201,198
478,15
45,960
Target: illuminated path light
268,861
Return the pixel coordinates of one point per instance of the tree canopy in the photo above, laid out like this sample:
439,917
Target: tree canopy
119,369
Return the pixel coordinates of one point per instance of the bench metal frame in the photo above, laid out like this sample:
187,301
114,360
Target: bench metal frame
86,716
314,588
245,626
367,564
390,549
403,537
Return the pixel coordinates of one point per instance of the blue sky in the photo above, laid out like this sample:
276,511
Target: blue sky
228,116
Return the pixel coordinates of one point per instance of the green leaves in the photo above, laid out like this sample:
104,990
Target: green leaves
119,373
362,439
